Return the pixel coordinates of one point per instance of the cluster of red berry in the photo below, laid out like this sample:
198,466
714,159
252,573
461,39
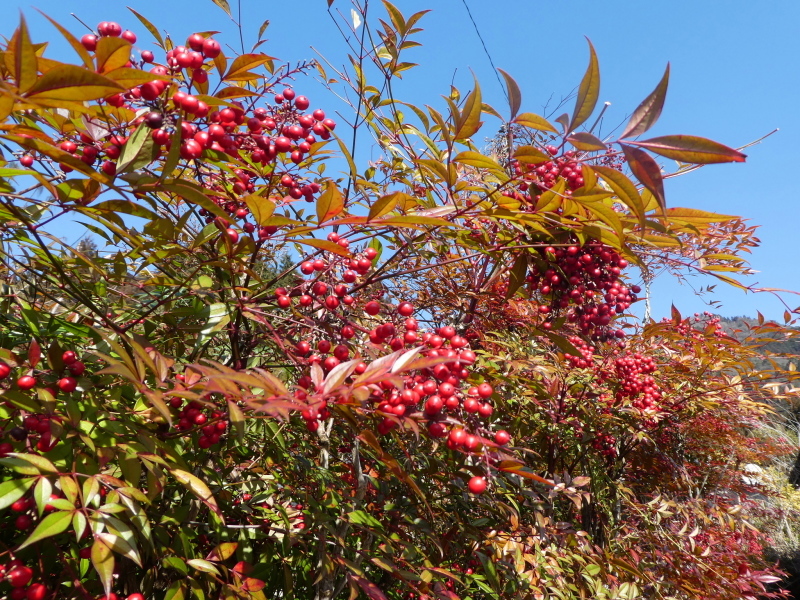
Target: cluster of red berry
634,374
584,283
36,430
211,422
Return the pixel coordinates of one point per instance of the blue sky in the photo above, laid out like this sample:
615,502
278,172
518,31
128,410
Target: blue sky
734,79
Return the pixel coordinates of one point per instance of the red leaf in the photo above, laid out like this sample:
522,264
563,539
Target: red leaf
34,354
372,591
647,171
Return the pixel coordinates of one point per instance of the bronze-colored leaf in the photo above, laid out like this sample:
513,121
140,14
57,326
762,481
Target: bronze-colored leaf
112,53
691,149
70,82
534,121
24,55
588,92
149,26
647,113
514,94
647,171
469,119
329,203
583,140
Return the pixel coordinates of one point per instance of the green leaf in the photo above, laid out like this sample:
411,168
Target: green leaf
73,83
103,561
514,95
14,489
533,121
149,26
41,493
125,207
29,464
691,149
236,417
647,171
137,151
469,120
588,92
647,113
203,565
329,203
517,275
260,207
216,317
119,545
52,524
199,489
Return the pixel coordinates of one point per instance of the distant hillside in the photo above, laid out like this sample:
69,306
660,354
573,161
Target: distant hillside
787,349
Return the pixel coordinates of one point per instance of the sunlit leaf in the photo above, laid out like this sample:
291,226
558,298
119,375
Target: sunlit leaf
329,203
514,95
52,524
691,149
647,113
588,92
647,171
70,82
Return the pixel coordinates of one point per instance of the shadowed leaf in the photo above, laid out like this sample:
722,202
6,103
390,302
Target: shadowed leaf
514,95
647,113
588,92
647,171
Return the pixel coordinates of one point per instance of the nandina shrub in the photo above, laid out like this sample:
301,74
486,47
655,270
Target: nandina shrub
421,379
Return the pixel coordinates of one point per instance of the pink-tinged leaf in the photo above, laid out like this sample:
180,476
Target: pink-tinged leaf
222,551
691,149
34,354
372,591
329,203
534,121
588,92
514,95
585,141
251,584
647,171
647,113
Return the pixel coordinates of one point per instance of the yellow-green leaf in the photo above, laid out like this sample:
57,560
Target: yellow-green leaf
52,524
199,489
534,121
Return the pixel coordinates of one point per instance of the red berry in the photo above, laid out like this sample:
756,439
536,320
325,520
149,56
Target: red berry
502,437
26,382
485,390
477,485
77,368
26,160
405,309
301,102
147,56
4,370
372,308
89,41
36,591
19,576
23,522
67,384
136,596
211,48
129,36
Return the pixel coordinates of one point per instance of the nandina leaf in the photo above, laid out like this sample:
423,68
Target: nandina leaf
137,151
530,155
73,41
29,464
691,149
647,113
103,561
203,565
260,207
14,489
41,494
242,64
647,171
624,189
223,551
326,245
534,121
24,55
223,4
695,216
583,140
514,95
112,53
469,119
71,82
199,489
481,161
129,78
511,466
149,26
330,202
386,204
52,524
517,275
588,92
34,353
372,591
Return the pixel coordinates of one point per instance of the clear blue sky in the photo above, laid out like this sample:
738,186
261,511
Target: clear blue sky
734,79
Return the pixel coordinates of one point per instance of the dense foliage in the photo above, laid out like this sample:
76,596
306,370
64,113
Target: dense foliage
270,372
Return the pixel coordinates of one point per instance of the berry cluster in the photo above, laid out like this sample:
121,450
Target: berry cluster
634,373
211,422
36,430
583,282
